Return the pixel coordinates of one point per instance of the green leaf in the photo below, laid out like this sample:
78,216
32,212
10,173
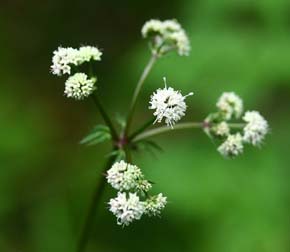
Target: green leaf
100,133
119,154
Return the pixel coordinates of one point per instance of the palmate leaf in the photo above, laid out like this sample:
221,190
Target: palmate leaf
99,134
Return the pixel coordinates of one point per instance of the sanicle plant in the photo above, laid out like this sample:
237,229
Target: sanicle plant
133,198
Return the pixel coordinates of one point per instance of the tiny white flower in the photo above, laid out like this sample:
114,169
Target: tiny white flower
79,86
230,105
256,127
123,176
87,53
62,60
167,35
155,204
221,129
127,209
181,41
169,104
233,146
171,26
152,27
144,185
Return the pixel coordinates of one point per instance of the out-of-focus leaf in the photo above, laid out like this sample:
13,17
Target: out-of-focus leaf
119,154
99,134
121,120
149,146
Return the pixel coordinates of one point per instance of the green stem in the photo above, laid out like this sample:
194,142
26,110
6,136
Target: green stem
179,126
236,125
141,129
89,221
165,129
136,94
105,116
128,154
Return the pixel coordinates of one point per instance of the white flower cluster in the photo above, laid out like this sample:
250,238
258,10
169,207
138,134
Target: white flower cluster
64,60
79,86
123,176
233,146
166,35
230,106
169,104
128,205
256,128
155,204
127,209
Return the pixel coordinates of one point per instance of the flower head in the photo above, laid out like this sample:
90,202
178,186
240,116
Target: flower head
152,27
221,129
127,209
62,60
256,127
123,176
166,36
79,86
230,105
87,53
169,104
233,146
155,204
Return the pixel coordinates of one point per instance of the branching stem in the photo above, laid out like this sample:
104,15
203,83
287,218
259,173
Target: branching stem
179,126
136,94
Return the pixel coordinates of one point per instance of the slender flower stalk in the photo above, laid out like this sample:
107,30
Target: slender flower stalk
178,126
166,129
138,88
105,116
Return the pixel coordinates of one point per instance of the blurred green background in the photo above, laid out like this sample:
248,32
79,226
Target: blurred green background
47,178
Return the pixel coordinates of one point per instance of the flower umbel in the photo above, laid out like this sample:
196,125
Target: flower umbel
87,53
221,129
169,104
79,86
256,127
233,146
62,60
155,204
123,176
166,36
230,105
127,208
126,177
